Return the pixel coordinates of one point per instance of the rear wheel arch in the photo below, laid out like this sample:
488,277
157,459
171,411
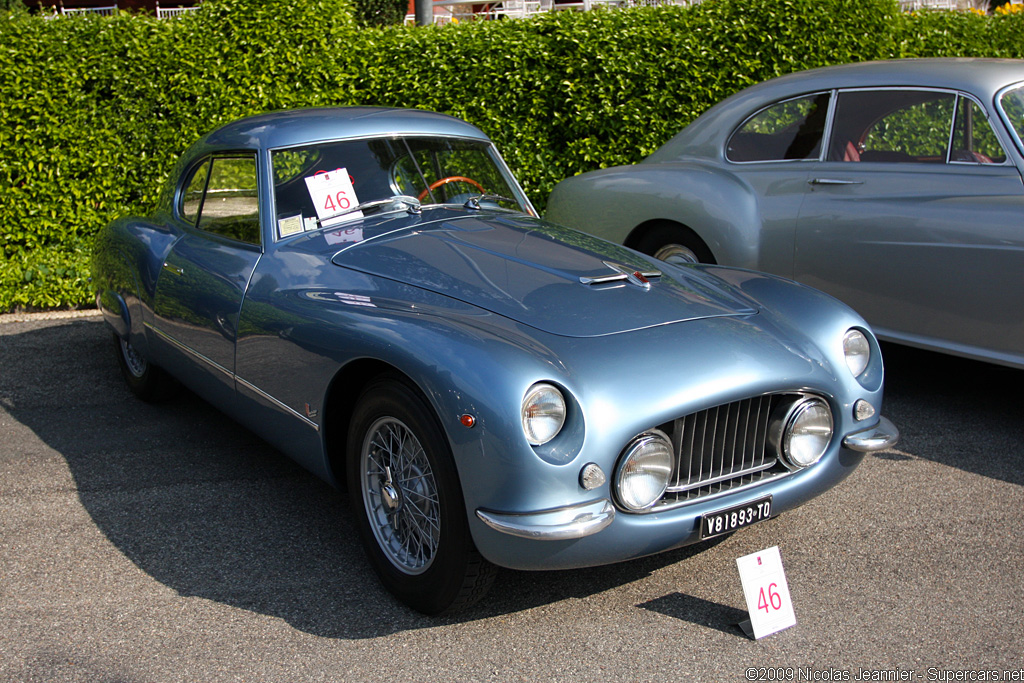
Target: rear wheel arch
652,236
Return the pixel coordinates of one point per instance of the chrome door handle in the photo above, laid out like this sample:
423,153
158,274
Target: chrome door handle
173,269
834,181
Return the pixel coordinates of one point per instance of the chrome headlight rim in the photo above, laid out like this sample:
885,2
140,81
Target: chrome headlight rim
782,426
542,413
856,351
649,455
793,425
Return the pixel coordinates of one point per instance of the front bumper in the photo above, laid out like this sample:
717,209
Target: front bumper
883,435
571,532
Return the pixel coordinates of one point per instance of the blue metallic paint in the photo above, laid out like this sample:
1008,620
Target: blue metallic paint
474,334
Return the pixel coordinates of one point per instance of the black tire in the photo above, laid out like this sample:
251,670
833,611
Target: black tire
147,381
405,494
674,243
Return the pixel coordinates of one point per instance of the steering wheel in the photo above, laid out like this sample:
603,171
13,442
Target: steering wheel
450,179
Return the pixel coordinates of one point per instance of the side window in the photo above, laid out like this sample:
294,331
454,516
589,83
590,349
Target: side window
908,126
192,197
785,130
973,138
230,206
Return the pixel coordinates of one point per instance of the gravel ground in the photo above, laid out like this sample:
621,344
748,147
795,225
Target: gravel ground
166,543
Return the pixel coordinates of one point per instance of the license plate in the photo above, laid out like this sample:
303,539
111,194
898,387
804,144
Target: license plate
736,517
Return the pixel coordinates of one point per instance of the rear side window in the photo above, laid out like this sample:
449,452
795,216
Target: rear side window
896,126
787,130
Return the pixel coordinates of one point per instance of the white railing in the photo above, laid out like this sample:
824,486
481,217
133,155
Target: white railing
172,12
102,11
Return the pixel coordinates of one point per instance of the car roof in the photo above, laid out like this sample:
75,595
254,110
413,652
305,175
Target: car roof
304,126
982,78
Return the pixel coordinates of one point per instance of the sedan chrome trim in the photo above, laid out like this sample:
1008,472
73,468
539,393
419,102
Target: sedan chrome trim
883,435
833,181
559,524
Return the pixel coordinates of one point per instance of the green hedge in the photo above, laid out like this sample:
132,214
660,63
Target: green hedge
94,111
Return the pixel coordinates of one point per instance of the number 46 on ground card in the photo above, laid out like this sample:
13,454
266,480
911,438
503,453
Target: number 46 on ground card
766,592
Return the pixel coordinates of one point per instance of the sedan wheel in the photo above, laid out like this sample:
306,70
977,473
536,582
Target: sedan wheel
676,254
405,491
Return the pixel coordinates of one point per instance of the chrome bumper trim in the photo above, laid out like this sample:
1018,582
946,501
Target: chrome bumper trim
883,435
574,521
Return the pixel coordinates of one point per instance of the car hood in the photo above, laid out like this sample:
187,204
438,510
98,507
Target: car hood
530,271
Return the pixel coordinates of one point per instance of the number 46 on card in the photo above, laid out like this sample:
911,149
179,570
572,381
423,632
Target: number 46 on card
766,592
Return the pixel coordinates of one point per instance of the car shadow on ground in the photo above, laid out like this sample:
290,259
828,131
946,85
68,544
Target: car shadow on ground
931,396
208,509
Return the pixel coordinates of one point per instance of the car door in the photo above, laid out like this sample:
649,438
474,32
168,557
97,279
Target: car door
200,288
915,221
773,152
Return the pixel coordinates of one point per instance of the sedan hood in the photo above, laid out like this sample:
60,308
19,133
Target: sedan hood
543,275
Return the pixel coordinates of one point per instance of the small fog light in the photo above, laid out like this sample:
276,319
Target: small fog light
591,476
863,410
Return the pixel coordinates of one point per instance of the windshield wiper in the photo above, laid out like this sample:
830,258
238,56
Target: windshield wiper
399,202
474,202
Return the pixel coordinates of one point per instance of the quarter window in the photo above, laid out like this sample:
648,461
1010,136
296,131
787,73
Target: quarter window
783,131
192,197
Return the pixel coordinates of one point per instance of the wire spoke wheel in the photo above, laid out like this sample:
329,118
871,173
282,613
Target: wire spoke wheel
404,487
400,495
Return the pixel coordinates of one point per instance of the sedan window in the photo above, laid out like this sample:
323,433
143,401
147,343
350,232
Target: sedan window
908,126
786,130
973,138
1012,103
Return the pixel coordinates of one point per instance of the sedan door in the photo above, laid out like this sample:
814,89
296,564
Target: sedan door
918,229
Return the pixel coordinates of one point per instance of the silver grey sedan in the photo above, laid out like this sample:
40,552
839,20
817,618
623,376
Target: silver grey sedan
895,186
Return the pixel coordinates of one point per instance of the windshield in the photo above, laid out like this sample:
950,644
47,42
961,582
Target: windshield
324,183
1012,104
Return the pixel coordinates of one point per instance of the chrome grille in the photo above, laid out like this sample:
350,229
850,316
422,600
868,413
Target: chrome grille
723,449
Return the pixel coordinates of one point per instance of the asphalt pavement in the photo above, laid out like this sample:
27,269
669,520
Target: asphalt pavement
143,543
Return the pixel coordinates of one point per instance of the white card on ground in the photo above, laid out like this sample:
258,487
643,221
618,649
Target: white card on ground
766,592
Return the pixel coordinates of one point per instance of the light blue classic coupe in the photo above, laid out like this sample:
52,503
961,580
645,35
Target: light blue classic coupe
894,186
371,291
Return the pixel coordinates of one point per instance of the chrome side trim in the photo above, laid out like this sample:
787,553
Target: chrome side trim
217,366
883,435
559,524
262,394
190,351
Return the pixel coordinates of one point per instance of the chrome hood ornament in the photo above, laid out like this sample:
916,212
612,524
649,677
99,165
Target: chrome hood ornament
638,278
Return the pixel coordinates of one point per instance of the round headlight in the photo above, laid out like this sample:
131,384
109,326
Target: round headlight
644,471
857,351
808,432
543,413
